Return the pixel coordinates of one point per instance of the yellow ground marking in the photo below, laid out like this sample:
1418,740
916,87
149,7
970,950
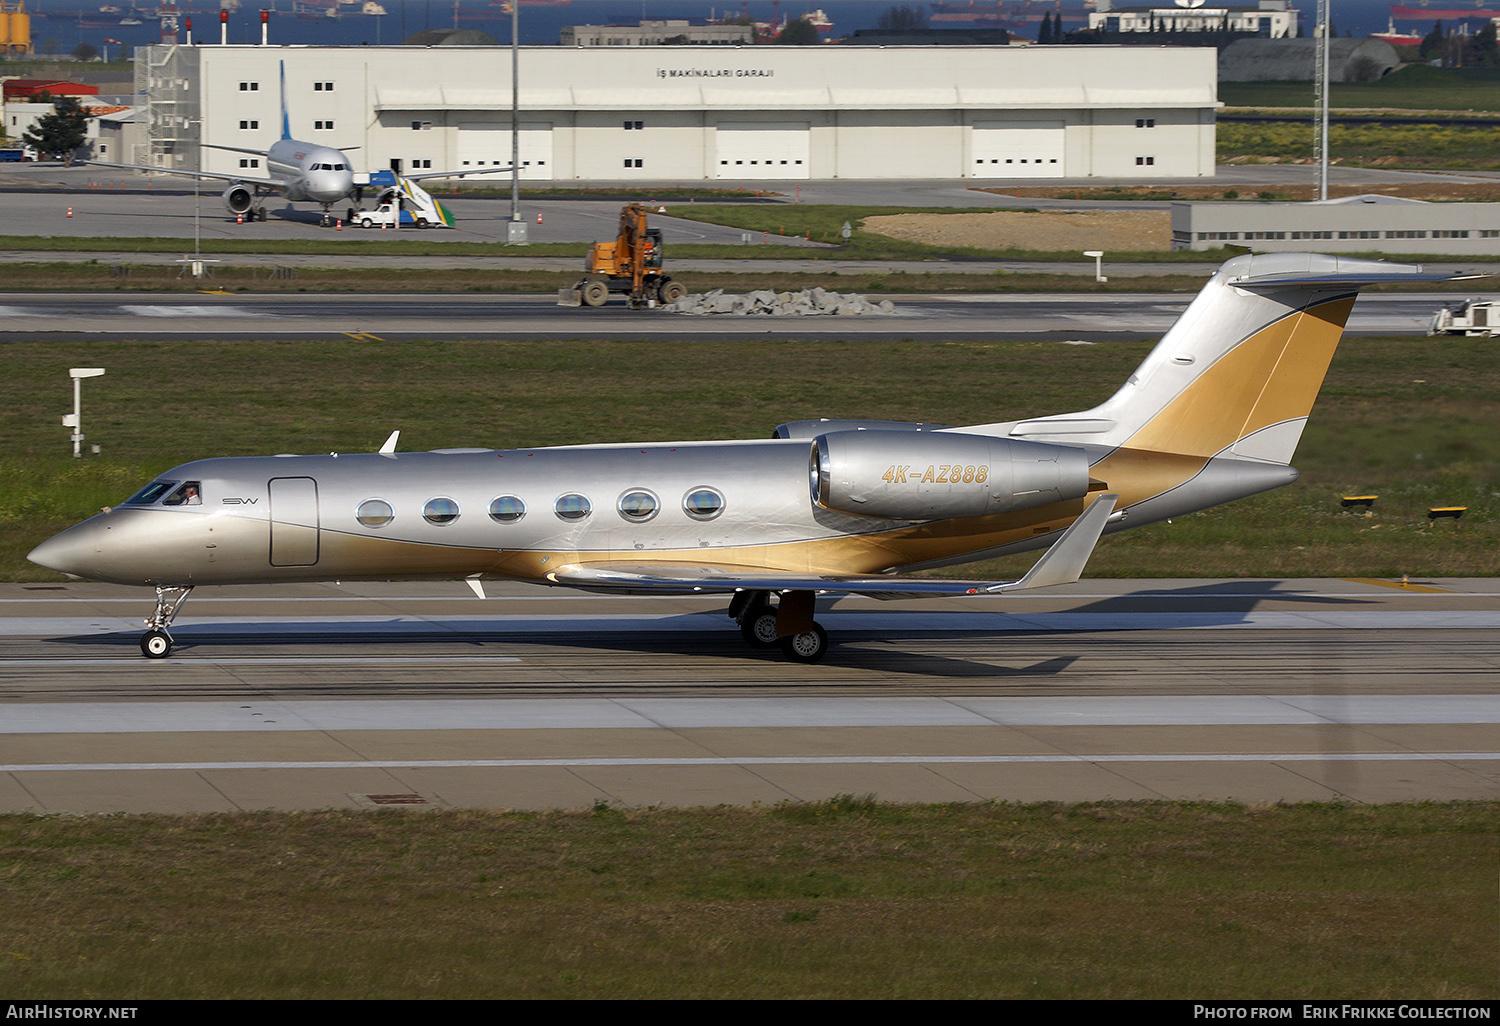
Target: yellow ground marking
1401,585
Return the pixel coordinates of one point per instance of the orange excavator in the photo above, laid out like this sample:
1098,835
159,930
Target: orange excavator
632,264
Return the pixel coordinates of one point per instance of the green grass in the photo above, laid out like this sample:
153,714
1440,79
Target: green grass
1415,87
1436,145
1375,428
840,899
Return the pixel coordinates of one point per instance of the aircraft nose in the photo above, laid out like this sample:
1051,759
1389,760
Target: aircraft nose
70,552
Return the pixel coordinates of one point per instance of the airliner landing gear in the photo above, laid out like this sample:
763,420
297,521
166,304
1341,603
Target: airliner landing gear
326,221
806,647
157,643
763,625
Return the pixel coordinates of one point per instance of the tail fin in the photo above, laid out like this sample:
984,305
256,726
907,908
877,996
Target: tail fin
286,121
1238,372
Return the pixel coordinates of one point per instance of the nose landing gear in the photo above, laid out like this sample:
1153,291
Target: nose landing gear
157,643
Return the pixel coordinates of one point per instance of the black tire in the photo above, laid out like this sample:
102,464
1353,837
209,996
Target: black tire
421,222
807,647
758,626
156,645
594,293
350,218
672,291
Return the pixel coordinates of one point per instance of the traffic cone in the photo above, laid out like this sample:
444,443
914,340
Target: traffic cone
239,217
70,211
338,225
538,217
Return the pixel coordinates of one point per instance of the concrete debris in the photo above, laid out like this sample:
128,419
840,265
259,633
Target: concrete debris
807,303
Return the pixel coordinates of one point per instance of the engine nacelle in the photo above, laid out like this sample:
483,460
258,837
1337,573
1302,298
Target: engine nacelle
238,199
911,475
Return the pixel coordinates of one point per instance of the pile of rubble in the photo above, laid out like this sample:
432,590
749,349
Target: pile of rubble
808,302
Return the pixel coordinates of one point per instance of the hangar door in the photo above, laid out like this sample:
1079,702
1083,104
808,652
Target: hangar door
1009,149
486,143
756,149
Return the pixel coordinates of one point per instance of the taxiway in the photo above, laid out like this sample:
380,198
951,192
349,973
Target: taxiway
354,695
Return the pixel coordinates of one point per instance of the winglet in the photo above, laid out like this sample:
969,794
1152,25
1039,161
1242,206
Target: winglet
390,443
1064,561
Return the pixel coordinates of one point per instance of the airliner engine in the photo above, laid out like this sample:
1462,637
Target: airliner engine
238,199
918,475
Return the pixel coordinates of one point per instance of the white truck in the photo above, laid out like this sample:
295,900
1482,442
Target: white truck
1474,317
402,204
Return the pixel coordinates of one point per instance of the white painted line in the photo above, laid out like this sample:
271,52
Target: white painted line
198,662
715,622
781,760
736,713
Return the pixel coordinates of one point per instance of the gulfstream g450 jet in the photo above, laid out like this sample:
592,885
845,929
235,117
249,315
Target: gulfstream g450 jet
303,172
821,508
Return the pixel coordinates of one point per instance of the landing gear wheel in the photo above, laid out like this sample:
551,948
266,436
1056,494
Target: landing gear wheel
672,291
156,644
260,214
325,220
758,626
595,293
807,647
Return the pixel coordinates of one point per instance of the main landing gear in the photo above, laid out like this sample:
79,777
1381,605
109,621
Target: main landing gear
157,642
788,625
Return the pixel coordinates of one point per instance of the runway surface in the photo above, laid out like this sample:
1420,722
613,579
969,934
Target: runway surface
1062,316
354,695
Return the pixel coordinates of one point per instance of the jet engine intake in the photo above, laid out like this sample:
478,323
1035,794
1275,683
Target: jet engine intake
911,475
238,199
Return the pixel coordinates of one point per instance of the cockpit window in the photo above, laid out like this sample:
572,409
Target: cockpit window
188,495
149,494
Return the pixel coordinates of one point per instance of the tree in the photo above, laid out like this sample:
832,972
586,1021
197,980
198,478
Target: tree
1482,48
902,19
798,33
85,51
61,132
1432,43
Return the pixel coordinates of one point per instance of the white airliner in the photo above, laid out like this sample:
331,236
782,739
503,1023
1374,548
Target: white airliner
303,172
821,508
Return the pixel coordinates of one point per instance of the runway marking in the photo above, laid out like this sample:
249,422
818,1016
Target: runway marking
567,713
1399,585
777,760
181,660
362,336
991,621
189,311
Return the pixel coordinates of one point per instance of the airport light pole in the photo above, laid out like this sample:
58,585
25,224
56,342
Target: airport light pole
75,419
517,228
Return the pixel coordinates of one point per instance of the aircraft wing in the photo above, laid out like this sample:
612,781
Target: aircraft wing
272,183
456,174
1062,563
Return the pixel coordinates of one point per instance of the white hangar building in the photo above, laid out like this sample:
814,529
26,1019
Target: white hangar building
699,113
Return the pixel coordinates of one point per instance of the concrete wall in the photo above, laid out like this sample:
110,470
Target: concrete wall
1356,224
868,112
